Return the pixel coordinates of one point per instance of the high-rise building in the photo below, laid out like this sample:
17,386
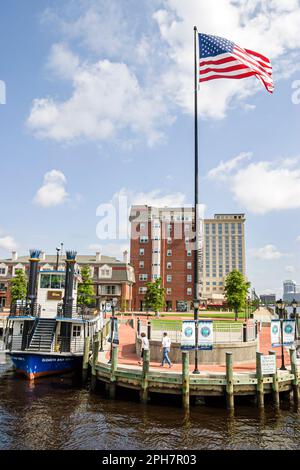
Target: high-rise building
290,291
162,246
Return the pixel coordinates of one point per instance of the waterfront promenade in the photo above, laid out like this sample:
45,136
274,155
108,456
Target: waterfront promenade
127,353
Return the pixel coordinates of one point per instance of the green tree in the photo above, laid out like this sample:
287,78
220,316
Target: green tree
236,290
18,286
155,296
85,294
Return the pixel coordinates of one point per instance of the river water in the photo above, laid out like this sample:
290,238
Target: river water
58,413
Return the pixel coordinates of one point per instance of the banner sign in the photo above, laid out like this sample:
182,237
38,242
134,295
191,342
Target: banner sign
288,329
188,335
108,307
205,335
268,364
275,333
114,327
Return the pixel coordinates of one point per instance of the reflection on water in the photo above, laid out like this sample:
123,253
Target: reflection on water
56,413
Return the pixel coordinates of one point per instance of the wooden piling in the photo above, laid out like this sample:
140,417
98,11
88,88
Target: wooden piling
229,381
260,381
295,382
94,362
275,385
86,356
185,379
113,368
144,394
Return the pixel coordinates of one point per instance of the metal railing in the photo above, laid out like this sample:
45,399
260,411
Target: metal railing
17,310
59,344
65,344
222,332
77,312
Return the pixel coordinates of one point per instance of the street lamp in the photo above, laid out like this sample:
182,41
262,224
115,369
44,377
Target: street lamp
280,306
294,306
196,318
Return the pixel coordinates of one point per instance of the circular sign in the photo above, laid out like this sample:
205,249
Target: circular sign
205,331
288,329
188,331
275,329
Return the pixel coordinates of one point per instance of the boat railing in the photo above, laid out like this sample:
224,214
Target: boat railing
78,312
61,344
22,310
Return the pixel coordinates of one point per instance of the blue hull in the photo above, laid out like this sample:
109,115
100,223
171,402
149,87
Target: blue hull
43,364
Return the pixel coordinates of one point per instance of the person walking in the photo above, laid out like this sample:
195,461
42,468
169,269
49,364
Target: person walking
145,346
166,345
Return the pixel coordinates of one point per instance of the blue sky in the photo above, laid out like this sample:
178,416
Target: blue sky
99,104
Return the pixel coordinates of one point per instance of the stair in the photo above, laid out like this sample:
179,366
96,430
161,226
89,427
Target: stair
43,335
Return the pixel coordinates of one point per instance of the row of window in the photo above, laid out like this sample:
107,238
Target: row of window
169,277
157,251
143,290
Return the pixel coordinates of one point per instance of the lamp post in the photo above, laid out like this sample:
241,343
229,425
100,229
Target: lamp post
114,302
294,307
280,306
57,258
196,318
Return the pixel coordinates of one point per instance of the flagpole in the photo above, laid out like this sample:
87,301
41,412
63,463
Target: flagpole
196,270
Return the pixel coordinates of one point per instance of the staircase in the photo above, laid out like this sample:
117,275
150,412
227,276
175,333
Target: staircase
43,335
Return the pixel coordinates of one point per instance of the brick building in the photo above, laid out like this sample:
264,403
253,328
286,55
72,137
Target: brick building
162,245
110,277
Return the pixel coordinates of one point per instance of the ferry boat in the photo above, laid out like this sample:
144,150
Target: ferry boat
45,334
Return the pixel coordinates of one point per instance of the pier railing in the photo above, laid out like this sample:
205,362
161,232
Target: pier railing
223,332
77,312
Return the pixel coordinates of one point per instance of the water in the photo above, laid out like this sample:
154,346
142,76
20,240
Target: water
57,413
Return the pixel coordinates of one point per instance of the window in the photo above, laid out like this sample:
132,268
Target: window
142,225
2,287
142,251
169,278
141,264
143,277
186,227
169,241
144,239
189,253
189,265
189,291
169,252
45,281
169,265
76,331
169,291
189,278
2,271
142,290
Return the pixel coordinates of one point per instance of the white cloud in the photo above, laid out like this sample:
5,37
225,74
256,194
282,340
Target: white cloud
263,186
267,252
298,239
53,192
142,70
224,168
290,269
107,99
110,249
8,243
246,24
156,198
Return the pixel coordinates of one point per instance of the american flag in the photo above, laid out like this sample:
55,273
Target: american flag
220,58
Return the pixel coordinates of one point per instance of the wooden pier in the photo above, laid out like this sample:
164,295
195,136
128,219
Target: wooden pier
148,380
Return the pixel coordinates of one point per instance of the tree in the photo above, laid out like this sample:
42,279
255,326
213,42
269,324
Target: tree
236,291
18,286
85,294
155,296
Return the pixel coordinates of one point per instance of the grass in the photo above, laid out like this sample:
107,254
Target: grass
176,325
208,315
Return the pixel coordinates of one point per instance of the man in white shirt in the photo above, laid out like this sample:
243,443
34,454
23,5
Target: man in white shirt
145,345
166,345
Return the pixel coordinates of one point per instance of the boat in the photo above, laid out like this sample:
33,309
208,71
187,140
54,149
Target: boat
45,334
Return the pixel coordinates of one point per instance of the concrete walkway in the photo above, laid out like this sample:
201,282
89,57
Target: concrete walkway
127,354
